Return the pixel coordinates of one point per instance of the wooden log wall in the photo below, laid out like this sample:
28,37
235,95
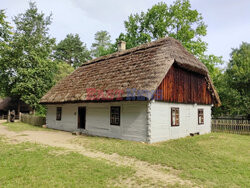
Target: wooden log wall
182,86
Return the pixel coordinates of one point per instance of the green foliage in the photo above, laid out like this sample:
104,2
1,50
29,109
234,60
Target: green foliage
41,110
102,45
177,20
5,29
196,158
72,51
234,84
5,36
27,69
238,69
63,70
212,63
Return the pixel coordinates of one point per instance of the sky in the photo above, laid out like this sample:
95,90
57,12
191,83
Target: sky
228,21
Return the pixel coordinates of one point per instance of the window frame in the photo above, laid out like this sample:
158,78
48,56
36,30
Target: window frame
175,109
202,116
58,113
112,122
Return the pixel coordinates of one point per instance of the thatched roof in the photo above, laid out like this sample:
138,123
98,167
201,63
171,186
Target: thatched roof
5,103
142,68
9,103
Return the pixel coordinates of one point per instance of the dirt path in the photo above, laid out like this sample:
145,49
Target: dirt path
146,172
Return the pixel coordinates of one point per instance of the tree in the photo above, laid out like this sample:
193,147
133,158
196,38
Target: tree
177,20
72,51
212,63
63,70
28,71
5,36
234,84
238,80
102,45
5,30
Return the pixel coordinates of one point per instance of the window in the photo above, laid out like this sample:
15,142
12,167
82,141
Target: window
58,113
200,117
115,115
175,120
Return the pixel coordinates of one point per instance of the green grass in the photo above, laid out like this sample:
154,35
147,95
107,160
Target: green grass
213,160
19,127
32,165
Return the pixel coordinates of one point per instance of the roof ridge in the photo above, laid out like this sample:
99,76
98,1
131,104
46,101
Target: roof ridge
128,51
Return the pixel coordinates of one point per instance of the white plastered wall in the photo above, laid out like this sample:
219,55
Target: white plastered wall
188,113
133,125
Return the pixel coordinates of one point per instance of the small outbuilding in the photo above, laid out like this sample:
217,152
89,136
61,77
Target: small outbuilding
9,104
154,92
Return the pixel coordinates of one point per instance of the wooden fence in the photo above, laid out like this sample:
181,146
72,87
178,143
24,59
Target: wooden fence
236,126
3,117
33,120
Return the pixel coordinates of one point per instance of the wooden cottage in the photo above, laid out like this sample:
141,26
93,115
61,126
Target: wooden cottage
154,92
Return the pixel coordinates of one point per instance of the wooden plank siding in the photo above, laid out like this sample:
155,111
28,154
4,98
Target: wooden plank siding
182,86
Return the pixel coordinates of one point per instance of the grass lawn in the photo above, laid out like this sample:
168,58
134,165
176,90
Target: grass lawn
213,160
19,127
33,165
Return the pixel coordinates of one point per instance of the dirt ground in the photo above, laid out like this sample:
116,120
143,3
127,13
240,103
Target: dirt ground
145,172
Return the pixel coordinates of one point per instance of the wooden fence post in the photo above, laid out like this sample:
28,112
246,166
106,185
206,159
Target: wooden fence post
8,116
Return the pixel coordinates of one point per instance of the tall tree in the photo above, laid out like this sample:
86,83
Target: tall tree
102,45
5,36
177,20
63,70
234,84
72,51
238,80
28,69
5,30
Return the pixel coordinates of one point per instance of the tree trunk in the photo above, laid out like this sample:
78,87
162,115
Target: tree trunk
18,107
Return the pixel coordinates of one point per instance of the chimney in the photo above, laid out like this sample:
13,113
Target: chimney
121,46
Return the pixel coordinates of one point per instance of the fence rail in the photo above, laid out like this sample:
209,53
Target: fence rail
3,117
231,126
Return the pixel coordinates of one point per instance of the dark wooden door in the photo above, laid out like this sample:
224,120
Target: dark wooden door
81,117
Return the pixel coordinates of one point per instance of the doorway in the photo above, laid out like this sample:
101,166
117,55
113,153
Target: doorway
81,117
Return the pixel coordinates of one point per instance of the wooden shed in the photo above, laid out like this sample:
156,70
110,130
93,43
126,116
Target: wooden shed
9,103
154,92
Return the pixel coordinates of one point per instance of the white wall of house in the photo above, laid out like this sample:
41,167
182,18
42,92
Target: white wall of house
188,113
132,126
135,119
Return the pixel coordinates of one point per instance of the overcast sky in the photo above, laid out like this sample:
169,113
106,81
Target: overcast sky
228,20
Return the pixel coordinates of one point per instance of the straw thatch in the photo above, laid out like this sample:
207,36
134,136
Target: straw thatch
5,103
9,103
142,68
